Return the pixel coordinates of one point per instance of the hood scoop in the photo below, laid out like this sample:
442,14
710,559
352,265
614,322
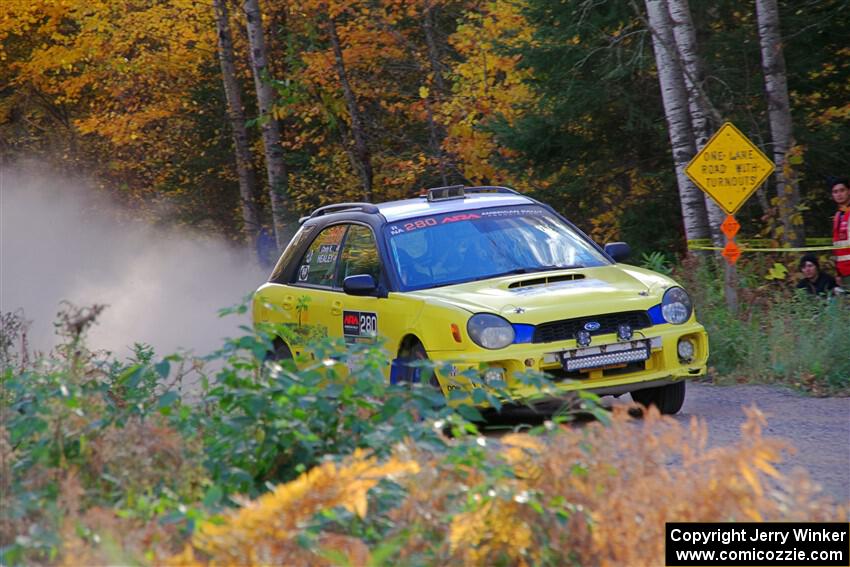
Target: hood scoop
545,280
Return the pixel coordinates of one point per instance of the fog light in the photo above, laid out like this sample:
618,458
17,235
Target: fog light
624,332
686,350
583,338
493,374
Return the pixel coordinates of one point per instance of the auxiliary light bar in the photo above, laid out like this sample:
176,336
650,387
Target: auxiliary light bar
602,360
445,193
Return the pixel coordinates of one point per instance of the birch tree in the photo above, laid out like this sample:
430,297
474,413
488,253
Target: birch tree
675,100
275,165
779,114
704,117
236,116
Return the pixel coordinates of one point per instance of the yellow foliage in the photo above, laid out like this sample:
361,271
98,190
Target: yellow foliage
486,84
112,87
598,494
130,64
493,530
262,531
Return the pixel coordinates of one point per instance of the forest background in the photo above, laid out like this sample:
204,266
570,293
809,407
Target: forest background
225,118
230,117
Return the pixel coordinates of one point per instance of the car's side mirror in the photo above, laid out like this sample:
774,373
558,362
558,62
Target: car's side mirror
361,284
619,251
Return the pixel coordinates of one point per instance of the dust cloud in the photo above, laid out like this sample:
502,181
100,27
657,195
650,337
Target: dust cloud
59,240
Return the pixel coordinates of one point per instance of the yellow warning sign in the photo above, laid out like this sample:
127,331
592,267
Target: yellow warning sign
729,168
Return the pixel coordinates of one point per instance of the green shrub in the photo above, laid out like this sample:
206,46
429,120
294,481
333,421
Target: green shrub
778,334
89,443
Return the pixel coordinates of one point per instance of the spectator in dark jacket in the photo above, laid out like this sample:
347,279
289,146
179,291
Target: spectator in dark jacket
814,281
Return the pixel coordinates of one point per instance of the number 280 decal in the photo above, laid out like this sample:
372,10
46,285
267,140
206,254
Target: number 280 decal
359,325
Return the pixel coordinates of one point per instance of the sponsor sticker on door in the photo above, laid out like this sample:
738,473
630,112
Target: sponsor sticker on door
359,326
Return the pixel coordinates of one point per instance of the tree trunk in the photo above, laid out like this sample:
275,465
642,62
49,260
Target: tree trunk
779,113
236,116
675,100
361,149
436,134
699,106
275,165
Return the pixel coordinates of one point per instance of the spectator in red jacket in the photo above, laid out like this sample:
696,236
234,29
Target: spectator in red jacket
840,234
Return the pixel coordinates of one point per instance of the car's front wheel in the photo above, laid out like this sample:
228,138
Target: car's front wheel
279,353
412,372
668,399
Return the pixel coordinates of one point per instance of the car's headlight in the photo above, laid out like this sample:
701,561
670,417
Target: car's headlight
676,306
490,331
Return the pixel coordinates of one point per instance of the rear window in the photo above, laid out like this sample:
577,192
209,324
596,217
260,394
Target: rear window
318,266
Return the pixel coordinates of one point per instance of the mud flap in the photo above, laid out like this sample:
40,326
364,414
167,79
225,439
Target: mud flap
399,369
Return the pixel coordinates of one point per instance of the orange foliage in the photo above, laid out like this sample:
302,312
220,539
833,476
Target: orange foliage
599,495
113,88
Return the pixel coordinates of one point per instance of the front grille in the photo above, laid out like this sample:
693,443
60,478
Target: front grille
567,328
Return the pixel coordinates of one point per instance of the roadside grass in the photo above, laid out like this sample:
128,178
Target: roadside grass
779,335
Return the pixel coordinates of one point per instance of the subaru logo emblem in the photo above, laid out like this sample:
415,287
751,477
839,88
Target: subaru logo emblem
592,326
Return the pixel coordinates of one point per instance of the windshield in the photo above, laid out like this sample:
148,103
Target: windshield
474,245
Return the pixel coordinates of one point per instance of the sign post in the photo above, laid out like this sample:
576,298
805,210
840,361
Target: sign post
729,168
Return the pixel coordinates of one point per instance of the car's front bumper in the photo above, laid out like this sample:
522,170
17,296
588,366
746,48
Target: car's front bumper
516,364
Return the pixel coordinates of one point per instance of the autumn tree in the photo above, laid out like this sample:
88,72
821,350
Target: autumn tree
362,155
487,85
437,88
127,93
559,98
275,164
236,116
363,103
590,138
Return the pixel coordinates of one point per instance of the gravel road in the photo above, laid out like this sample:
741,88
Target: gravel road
818,427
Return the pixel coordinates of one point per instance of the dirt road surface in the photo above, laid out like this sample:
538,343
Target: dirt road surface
819,428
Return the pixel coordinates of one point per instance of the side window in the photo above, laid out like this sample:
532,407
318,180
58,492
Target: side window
359,255
318,265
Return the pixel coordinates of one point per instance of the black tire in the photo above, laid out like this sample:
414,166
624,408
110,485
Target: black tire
415,374
668,399
280,353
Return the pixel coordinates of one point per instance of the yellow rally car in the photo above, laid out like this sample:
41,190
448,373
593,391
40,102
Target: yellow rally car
485,278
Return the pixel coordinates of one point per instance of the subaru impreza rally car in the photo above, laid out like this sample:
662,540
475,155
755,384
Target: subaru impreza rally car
485,278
